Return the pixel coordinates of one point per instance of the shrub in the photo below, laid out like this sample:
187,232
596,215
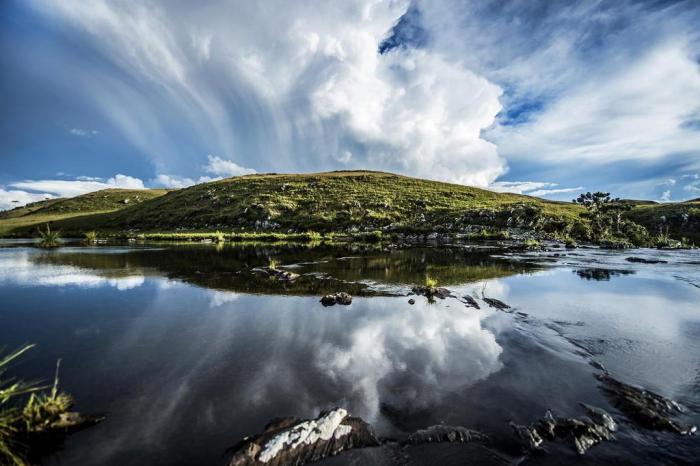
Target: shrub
90,237
49,238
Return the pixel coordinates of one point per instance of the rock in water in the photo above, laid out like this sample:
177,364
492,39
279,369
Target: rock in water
291,441
641,260
443,433
584,432
470,302
411,301
496,303
648,409
338,298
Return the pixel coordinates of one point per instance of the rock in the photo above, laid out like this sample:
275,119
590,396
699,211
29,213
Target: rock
328,300
444,433
496,303
291,441
470,302
583,432
281,275
73,421
432,292
647,409
641,260
411,301
337,298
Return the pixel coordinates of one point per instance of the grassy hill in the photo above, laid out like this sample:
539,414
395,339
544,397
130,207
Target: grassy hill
77,211
345,201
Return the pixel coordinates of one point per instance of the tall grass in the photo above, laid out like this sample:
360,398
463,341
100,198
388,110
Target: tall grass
49,238
90,237
26,410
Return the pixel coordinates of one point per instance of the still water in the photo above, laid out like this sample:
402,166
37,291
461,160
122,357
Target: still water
187,350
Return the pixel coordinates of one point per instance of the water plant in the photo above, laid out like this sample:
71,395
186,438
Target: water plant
91,237
219,237
30,416
49,238
272,264
430,282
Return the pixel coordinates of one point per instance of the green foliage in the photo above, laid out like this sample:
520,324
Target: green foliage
532,244
272,264
219,237
49,238
91,237
430,282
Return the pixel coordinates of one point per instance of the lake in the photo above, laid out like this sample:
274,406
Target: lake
187,349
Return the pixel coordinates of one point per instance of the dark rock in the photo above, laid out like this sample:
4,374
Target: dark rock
411,301
647,409
583,432
470,302
641,260
498,304
337,298
282,275
443,433
432,292
291,441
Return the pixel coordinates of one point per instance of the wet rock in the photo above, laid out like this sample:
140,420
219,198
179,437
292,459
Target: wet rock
470,302
496,303
641,260
337,298
281,275
444,433
647,409
583,432
411,301
291,441
73,421
432,292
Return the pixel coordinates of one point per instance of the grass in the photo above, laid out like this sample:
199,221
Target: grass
356,205
91,237
49,238
430,282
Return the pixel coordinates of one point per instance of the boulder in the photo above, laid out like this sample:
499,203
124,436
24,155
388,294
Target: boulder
445,433
496,303
337,298
293,442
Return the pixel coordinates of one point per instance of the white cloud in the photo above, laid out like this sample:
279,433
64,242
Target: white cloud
178,182
288,86
665,196
220,167
531,188
15,198
34,190
80,132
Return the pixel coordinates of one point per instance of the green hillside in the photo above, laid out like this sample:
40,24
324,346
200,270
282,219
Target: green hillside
336,202
78,210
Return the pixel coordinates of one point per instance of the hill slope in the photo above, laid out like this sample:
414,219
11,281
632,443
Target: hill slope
25,220
335,201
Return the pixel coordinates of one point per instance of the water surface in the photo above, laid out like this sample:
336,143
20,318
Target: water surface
187,350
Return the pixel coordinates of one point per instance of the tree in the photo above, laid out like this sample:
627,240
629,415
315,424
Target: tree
603,211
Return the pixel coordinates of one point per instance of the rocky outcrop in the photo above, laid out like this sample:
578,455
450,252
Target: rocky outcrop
641,260
337,298
444,433
432,292
293,442
647,409
496,303
583,432
281,275
470,302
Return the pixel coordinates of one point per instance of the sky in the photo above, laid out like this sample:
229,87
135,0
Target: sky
547,98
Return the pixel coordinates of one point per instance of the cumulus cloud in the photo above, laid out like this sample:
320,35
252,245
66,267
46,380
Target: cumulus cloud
36,190
298,87
665,196
220,167
531,188
16,198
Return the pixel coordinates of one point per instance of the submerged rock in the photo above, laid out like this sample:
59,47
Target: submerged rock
647,409
583,432
411,301
470,302
496,303
337,298
641,260
291,441
281,275
444,433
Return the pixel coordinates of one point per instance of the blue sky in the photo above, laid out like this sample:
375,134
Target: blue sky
541,97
